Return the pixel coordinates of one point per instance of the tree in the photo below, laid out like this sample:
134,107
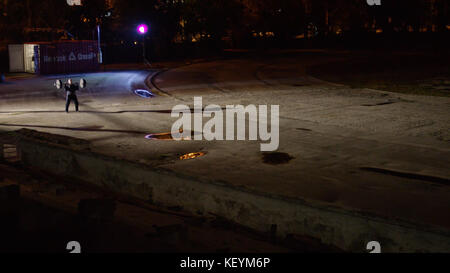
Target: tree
211,19
284,18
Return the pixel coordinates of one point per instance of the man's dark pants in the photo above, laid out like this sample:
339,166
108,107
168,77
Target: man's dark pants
69,98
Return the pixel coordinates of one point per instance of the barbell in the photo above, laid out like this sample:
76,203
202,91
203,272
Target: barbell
59,84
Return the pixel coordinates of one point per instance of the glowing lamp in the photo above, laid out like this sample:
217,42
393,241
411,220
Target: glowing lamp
142,29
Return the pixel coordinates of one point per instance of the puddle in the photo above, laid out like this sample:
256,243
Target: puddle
192,155
276,158
167,136
160,136
143,93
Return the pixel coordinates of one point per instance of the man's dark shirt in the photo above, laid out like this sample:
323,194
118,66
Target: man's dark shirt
71,89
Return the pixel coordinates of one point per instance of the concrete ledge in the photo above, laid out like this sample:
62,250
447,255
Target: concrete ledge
346,229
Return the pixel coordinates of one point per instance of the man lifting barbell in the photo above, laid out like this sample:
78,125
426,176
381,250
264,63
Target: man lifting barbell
71,89
71,94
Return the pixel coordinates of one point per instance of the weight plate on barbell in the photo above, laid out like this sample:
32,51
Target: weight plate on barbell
83,83
58,84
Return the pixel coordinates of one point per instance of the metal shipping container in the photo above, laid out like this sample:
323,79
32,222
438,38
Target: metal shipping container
68,57
54,58
16,60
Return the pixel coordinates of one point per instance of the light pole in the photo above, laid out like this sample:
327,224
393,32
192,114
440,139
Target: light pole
79,3
142,29
100,57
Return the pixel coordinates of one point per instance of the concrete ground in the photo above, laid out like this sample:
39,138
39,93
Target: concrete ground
377,152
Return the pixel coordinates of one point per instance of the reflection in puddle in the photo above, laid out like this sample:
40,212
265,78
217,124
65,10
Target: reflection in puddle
143,93
168,136
161,136
192,155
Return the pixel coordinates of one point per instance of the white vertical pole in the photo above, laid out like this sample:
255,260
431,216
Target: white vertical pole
100,57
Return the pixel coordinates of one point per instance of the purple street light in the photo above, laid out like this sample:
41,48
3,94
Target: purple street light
142,29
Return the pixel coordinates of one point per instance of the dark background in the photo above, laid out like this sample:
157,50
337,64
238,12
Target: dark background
199,28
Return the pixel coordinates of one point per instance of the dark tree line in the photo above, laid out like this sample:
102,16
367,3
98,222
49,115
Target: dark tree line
193,20
190,21
28,20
